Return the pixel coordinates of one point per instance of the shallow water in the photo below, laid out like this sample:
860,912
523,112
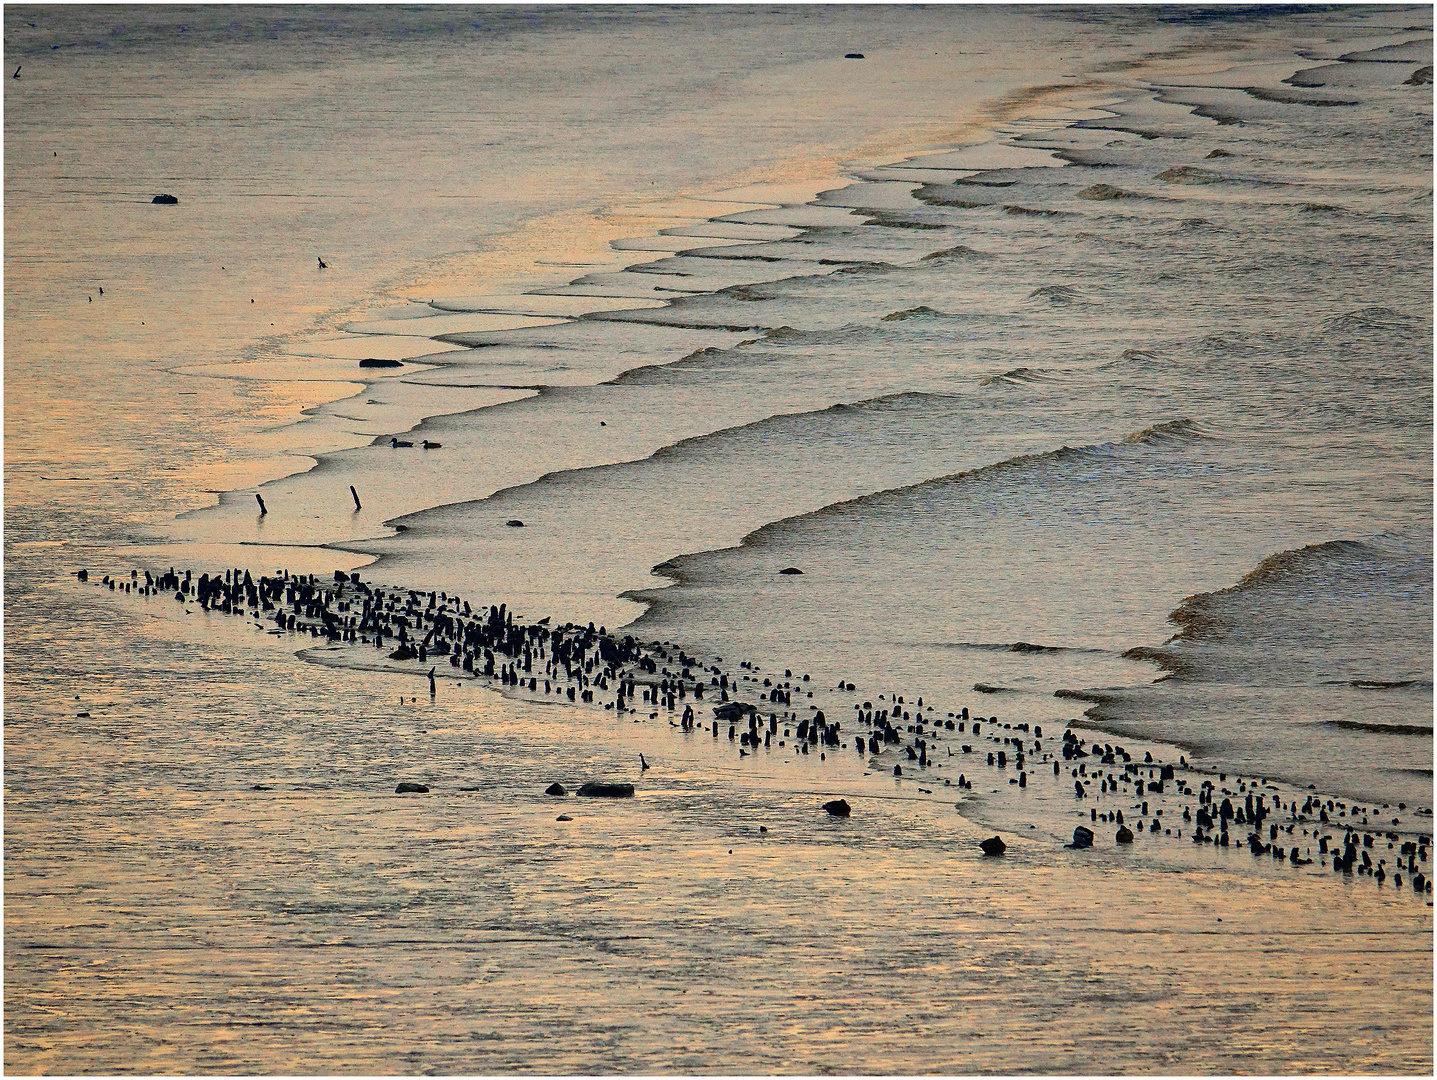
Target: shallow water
1021,411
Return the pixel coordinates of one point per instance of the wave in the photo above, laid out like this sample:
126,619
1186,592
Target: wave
1190,174
1287,97
771,532
1168,431
1016,377
1198,614
1287,562
1027,211
1106,192
1015,647
744,292
1377,318
941,199
959,252
1175,664
786,333
639,374
1381,684
848,266
1091,696
887,219
909,399
922,311
1381,729
1057,294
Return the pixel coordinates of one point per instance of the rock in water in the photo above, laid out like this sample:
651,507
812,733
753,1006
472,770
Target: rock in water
563,817
375,361
838,807
1082,837
790,570
556,789
993,846
607,791
407,788
1125,835
733,710
404,652
514,523
164,200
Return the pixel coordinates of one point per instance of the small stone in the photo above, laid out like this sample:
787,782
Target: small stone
514,523
1082,838
563,817
407,788
790,570
838,807
259,787
993,846
1125,835
556,789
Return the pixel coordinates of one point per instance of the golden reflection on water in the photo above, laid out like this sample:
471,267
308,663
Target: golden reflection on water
326,924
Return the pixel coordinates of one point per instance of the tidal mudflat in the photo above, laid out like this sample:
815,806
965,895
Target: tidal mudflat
1002,422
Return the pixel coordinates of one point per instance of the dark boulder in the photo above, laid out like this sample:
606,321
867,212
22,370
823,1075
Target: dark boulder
563,817
595,790
993,846
837,807
1125,835
514,523
1082,838
853,56
164,200
375,361
556,789
790,570
407,788
733,710
404,652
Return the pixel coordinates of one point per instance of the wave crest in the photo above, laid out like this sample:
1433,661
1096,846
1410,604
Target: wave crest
1381,319
1183,430
922,311
1105,192
1057,294
959,252
1190,174
1015,377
